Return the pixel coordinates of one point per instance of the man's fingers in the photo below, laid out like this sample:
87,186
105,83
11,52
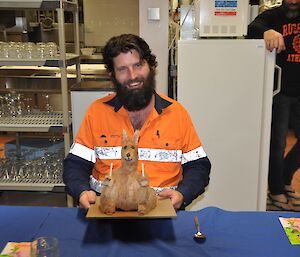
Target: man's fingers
84,206
281,45
92,196
84,201
86,198
163,195
274,40
175,196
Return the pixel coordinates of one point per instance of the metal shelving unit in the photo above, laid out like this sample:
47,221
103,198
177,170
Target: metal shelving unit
30,185
39,4
44,123
36,122
70,59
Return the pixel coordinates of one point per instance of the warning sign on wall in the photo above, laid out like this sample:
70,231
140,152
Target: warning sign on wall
226,8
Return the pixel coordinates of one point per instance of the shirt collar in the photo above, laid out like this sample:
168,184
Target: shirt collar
159,103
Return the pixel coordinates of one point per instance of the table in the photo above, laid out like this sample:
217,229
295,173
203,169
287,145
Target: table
229,234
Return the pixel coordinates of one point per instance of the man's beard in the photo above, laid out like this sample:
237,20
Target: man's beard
291,10
136,99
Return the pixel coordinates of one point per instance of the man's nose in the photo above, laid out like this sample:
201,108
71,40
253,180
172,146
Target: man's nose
132,73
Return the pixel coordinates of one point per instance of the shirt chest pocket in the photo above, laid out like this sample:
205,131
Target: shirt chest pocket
164,143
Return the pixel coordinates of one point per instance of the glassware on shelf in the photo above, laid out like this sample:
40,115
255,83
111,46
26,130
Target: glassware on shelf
48,106
28,108
28,50
52,49
44,169
4,49
11,105
2,106
41,50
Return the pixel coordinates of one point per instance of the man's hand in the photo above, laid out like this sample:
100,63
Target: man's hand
175,196
86,198
274,40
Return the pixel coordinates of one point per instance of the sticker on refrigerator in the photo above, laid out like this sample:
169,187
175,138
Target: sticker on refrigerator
225,8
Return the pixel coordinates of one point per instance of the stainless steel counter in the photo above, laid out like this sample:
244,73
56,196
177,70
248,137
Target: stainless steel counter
47,79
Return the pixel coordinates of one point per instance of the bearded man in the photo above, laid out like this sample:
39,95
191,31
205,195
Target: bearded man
169,147
280,28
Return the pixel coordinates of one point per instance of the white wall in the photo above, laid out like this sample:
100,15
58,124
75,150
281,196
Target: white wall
155,33
107,18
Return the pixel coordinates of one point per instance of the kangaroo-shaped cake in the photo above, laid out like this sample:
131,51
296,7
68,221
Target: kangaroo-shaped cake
127,188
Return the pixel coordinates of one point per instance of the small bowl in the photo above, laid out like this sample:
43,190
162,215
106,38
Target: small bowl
88,50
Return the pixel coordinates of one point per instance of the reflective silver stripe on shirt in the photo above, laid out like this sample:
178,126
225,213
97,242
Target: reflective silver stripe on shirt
145,154
159,155
160,189
193,155
96,185
108,153
83,152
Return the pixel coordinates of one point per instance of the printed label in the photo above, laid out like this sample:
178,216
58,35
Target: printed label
225,8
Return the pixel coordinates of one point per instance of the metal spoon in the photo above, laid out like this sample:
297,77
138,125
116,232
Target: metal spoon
198,236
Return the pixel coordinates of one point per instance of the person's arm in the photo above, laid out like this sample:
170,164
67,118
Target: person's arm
79,164
262,27
195,179
260,24
76,175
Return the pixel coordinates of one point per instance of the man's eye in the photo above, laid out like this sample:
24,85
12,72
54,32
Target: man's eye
138,65
121,70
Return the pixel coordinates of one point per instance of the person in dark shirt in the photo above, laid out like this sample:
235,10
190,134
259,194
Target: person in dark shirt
280,28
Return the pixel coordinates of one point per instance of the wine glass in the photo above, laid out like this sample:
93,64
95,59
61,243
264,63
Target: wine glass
48,106
46,246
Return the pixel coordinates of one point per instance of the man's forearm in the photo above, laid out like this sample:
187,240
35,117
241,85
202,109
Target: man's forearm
76,175
195,179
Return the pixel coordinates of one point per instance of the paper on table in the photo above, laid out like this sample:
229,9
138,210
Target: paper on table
291,227
16,249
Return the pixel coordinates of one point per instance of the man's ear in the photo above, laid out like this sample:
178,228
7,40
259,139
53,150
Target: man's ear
110,74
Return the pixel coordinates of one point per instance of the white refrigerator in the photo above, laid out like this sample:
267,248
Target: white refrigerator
227,87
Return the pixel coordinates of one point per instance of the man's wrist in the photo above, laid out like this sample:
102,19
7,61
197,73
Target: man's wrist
183,204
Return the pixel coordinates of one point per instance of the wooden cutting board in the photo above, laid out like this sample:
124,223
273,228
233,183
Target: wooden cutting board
163,209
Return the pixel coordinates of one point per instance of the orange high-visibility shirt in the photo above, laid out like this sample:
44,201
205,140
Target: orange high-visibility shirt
167,139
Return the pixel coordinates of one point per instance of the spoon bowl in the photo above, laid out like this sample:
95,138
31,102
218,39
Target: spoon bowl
199,237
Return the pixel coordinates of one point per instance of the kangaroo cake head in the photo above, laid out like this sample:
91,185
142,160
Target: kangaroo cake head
129,151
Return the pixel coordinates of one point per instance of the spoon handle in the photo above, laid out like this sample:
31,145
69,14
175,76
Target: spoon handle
196,220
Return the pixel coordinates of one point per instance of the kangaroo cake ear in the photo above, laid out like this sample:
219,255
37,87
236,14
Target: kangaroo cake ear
124,135
136,136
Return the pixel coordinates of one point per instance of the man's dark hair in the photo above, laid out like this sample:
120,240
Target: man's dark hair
123,44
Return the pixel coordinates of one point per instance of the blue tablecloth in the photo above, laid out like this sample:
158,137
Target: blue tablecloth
229,234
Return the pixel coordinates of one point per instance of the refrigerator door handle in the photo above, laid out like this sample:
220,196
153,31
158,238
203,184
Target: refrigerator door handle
277,90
